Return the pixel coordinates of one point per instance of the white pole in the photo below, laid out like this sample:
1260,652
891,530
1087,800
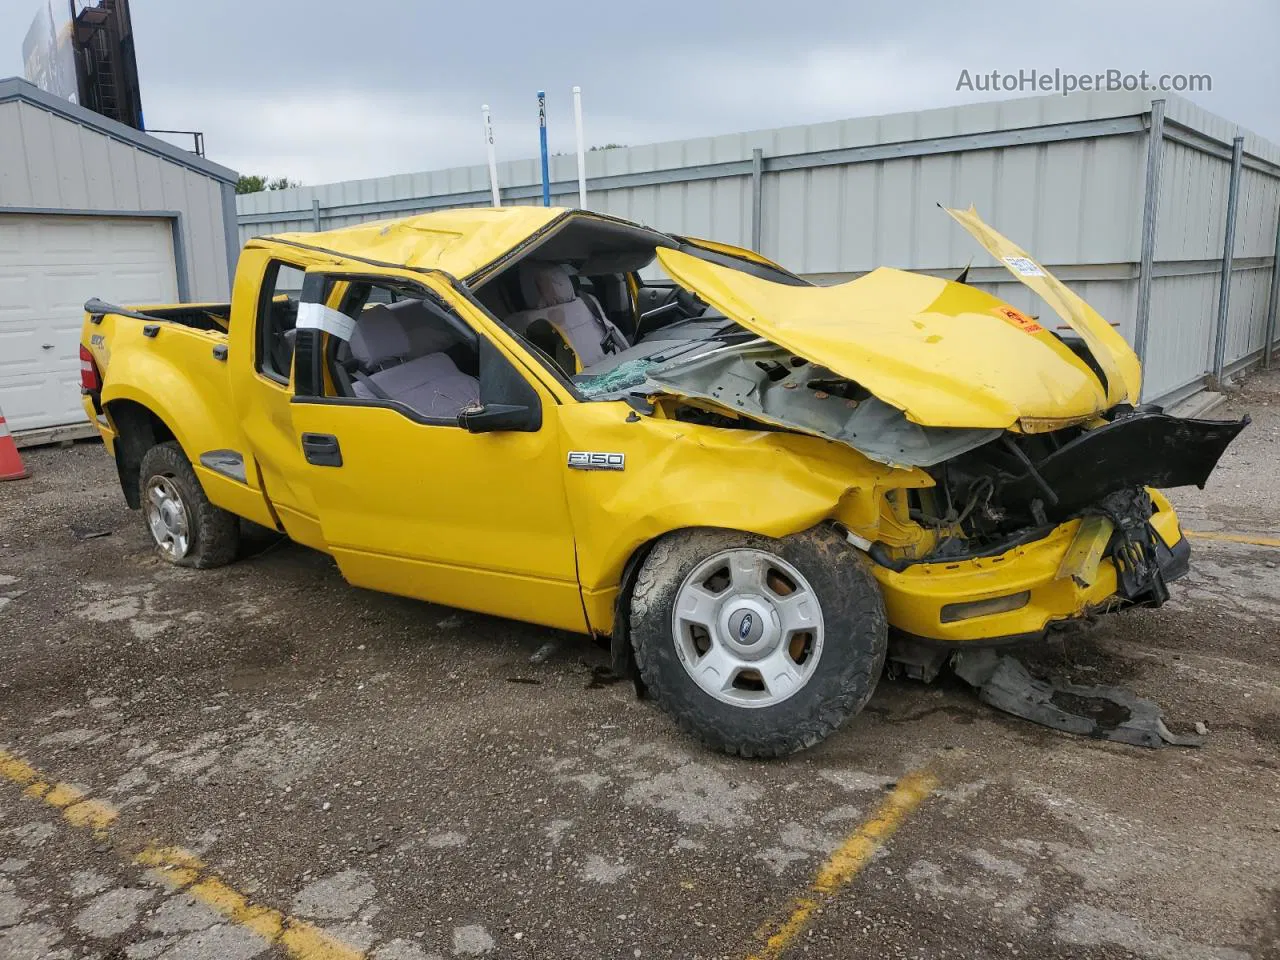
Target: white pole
493,161
582,150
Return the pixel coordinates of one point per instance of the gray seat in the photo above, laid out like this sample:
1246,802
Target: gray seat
432,385
399,350
396,332
548,292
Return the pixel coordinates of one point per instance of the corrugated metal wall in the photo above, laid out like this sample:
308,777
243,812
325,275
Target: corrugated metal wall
1065,177
49,162
1189,243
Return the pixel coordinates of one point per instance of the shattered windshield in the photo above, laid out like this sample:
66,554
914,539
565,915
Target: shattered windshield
623,378
627,372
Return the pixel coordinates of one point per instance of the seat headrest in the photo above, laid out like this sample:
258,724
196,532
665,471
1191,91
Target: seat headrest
427,330
380,336
399,331
545,285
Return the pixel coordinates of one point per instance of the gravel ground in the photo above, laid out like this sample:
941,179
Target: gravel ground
403,777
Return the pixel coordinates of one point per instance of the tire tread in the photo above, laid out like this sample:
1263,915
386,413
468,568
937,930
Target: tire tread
859,603
216,534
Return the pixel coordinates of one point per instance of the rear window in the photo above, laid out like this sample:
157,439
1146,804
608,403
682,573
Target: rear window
277,318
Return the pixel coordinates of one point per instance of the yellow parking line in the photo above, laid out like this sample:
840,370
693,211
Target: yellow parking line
1233,537
180,869
77,809
854,854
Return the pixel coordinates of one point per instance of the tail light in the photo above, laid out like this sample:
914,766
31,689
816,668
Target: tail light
90,379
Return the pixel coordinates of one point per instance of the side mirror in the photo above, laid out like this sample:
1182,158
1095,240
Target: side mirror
493,417
507,401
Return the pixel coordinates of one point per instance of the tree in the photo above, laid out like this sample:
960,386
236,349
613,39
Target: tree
605,146
256,183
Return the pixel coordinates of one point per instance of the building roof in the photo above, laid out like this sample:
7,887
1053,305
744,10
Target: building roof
15,88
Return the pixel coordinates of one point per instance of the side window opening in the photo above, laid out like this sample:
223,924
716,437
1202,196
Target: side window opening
277,319
407,350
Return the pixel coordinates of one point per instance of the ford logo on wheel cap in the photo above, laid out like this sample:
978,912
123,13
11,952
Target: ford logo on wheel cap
744,626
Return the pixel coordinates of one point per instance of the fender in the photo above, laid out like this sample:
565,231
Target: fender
176,378
677,475
168,380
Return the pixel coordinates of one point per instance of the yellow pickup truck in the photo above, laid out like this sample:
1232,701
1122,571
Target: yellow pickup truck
744,480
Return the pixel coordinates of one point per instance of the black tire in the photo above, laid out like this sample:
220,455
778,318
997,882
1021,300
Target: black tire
214,534
852,658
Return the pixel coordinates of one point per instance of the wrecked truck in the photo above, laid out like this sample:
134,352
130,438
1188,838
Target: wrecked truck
743,480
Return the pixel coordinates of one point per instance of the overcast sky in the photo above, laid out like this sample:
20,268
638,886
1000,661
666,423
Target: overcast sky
334,89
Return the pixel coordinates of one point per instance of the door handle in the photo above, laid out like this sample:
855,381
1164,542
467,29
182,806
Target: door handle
322,449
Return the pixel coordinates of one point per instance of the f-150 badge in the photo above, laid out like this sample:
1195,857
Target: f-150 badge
591,460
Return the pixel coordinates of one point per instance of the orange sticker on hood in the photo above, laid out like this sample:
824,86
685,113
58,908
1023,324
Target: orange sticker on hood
1019,320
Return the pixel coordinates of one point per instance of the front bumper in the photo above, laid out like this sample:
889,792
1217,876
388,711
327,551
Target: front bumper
916,597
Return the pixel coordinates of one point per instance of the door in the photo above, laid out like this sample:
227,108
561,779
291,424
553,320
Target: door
49,266
433,459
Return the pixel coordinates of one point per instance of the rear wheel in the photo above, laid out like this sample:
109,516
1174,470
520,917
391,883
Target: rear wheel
757,646
187,529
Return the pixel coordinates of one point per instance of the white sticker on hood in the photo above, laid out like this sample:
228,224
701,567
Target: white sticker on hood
1024,266
316,316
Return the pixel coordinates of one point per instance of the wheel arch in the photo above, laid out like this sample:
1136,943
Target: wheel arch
138,429
622,655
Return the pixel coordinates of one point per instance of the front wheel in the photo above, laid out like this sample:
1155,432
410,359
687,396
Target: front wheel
188,530
756,646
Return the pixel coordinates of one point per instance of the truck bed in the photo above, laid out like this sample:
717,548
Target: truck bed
198,316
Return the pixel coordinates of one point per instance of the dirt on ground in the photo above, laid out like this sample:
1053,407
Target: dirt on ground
403,777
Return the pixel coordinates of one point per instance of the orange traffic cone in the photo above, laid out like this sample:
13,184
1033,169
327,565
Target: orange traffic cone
11,467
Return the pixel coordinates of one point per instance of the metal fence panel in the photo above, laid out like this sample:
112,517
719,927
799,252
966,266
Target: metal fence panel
1247,316
1065,177
1180,347
1256,219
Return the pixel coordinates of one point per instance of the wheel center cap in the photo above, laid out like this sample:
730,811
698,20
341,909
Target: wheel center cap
169,513
746,626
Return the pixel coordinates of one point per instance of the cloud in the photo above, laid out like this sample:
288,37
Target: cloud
318,136
324,90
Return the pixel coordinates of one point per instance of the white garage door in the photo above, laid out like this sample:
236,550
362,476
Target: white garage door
49,266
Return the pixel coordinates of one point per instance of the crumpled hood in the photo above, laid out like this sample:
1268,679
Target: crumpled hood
945,353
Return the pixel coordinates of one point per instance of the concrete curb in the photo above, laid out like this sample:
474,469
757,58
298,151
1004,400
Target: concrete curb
1198,406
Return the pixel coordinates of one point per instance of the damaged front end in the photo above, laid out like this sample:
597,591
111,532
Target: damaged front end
1018,531
1021,488
1045,504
